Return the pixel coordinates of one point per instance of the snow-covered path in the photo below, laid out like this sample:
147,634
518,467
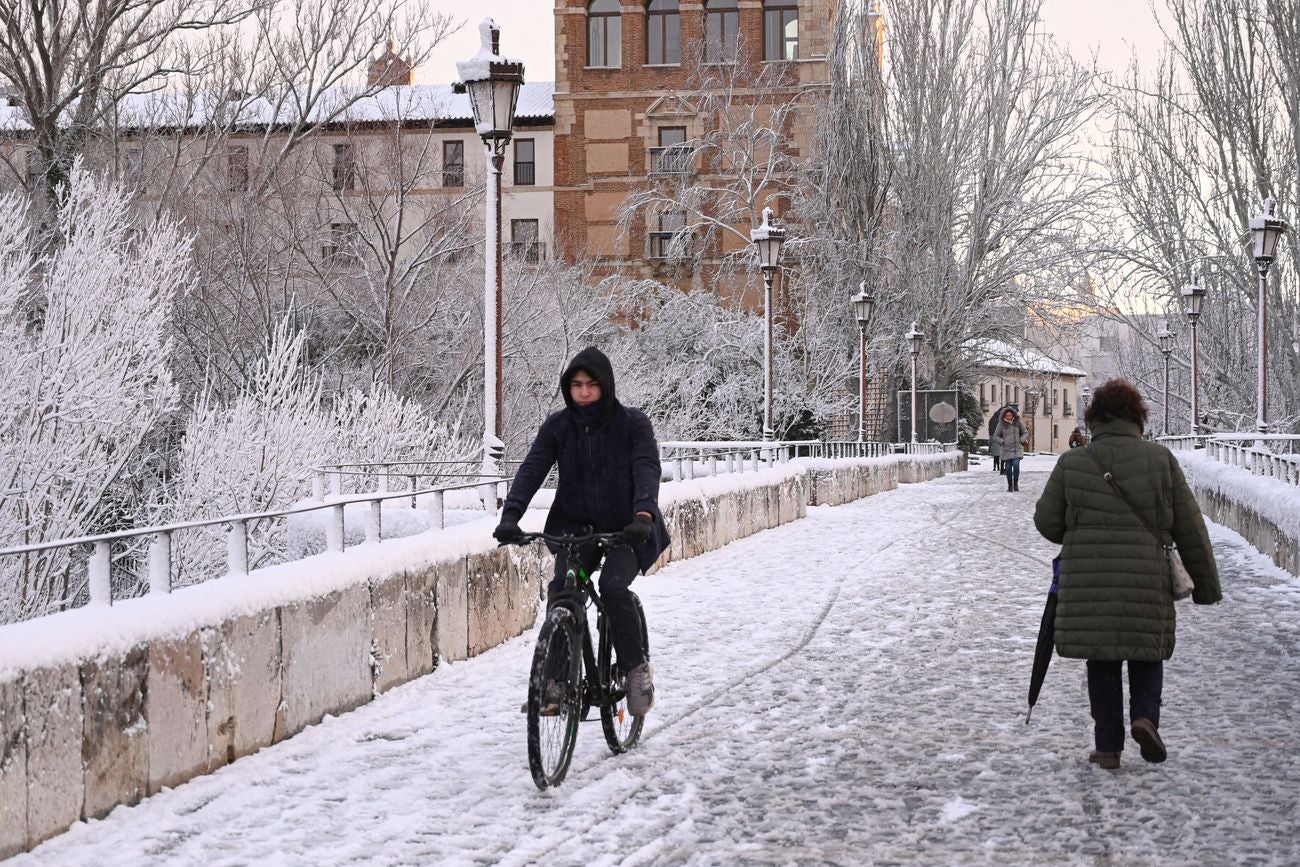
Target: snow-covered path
846,689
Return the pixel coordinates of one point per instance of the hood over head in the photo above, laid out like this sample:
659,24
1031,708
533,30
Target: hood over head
597,366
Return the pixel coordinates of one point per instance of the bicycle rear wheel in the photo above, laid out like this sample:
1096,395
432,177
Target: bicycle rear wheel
557,669
622,730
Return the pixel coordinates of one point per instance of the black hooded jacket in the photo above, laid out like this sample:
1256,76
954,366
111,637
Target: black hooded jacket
608,463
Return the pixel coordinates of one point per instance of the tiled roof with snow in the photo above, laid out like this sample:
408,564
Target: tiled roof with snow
409,102
1006,356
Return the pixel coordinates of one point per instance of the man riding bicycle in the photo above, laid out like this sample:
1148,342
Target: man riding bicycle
609,474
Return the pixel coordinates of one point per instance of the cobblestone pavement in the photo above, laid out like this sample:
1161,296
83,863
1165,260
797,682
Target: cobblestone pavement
847,689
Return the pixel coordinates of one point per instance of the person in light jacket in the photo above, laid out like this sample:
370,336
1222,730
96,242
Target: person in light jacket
1012,436
1115,603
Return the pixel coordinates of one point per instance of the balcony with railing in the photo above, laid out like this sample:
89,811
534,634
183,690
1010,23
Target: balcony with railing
528,252
525,174
671,160
670,246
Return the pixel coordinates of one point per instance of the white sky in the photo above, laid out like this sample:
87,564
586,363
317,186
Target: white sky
1112,28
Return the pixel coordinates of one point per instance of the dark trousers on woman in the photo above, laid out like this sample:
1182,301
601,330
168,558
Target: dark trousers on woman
1011,469
616,576
1106,696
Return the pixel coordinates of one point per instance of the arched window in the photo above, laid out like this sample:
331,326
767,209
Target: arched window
780,30
604,33
721,31
663,32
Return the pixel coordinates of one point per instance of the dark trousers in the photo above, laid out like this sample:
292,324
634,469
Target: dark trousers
1011,469
616,576
1106,696
997,464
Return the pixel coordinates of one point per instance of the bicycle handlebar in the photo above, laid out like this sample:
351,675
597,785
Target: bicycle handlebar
604,540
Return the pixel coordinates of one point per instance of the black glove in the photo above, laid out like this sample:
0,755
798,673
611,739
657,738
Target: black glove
638,532
508,530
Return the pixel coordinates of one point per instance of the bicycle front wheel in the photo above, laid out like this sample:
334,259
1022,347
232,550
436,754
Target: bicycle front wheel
554,698
622,730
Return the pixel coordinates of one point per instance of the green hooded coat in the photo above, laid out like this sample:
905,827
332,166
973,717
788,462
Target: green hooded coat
1114,600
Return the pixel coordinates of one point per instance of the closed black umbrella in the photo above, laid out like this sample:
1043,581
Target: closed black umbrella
1046,641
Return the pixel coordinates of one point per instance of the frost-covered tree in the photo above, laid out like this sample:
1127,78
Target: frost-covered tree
83,343
1198,144
257,453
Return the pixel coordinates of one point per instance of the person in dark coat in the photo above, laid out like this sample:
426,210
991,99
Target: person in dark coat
609,475
1076,439
1115,603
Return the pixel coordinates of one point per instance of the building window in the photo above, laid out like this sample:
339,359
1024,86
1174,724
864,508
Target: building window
670,242
604,34
663,34
237,168
524,244
525,163
453,164
780,30
672,157
721,31
344,173
342,247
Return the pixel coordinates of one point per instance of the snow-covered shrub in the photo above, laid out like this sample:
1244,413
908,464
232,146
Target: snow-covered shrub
85,385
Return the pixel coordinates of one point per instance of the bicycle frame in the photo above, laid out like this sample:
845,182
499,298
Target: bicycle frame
579,593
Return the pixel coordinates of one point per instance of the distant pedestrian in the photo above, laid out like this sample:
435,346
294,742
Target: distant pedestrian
1011,436
1115,601
1076,439
995,452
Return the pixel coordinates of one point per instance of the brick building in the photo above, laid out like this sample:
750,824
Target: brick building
627,108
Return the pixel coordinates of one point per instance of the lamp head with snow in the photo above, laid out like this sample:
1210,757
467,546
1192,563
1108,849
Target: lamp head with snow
768,238
1266,229
493,83
864,306
1193,296
914,340
1166,339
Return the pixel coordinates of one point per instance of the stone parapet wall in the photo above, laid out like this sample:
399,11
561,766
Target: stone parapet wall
1265,512
125,714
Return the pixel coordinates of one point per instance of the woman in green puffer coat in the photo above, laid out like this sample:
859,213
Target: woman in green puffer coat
1115,603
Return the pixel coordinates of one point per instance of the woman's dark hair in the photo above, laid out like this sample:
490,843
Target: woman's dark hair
1116,399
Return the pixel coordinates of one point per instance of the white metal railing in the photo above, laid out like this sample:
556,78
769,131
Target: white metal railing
1270,456
689,460
159,560
681,460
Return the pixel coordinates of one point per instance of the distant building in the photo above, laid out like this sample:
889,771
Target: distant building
623,113
1043,390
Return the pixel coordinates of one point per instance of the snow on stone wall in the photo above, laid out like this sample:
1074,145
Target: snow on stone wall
1265,511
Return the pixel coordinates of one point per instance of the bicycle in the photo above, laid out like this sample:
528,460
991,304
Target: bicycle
565,662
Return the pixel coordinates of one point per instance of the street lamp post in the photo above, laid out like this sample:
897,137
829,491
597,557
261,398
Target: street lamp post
768,239
1193,297
864,306
914,340
1166,338
493,84
1266,229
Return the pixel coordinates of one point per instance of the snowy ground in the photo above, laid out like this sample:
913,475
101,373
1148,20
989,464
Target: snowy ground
846,689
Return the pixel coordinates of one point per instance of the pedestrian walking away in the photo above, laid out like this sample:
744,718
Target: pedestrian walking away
995,451
1115,601
1077,439
1011,436
608,465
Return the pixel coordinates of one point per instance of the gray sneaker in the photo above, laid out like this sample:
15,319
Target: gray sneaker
640,689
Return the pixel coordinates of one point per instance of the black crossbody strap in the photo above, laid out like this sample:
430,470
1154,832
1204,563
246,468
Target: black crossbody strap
1105,474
